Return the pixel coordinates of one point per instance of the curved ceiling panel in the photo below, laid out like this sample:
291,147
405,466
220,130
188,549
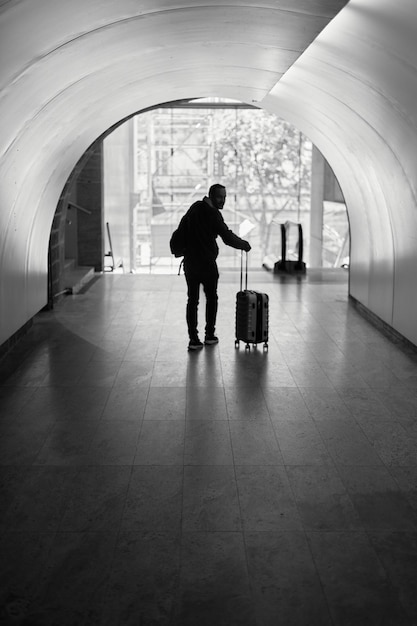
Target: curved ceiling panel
189,38
356,104
30,31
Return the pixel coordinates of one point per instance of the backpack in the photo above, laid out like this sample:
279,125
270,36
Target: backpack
177,243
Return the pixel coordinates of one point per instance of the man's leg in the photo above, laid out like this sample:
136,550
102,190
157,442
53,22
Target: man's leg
193,290
210,282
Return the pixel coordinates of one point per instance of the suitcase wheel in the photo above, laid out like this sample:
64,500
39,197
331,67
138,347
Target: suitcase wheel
237,343
247,347
266,345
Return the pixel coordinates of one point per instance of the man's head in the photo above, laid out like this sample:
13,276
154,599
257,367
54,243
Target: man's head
217,194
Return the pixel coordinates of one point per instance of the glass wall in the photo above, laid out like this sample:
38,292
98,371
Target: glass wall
264,162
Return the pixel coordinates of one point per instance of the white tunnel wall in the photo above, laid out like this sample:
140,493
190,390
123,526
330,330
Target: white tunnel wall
353,92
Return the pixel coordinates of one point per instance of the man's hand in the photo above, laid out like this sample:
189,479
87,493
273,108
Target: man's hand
247,246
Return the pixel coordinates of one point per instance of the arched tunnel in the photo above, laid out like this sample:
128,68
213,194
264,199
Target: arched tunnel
170,502
342,72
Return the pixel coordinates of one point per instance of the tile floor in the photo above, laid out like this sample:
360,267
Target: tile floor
144,485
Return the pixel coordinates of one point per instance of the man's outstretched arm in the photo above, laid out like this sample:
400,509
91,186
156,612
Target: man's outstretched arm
229,237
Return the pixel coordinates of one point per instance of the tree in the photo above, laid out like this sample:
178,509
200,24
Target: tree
265,161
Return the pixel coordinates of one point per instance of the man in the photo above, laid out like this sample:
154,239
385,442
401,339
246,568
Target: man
203,223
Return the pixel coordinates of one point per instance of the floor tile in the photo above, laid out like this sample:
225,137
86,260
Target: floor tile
12,478
144,580
397,551
101,373
12,399
41,500
161,443
166,403
126,403
266,500
322,499
84,402
83,561
391,442
245,368
154,499
214,582
324,403
301,443
399,400
286,587
246,403
277,377
19,446
306,375
131,373
207,442
68,443
64,374
346,442
142,350
203,368
60,403
343,376
210,501
169,374
97,498
357,587
254,443
286,403
33,374
406,479
23,559
114,442
364,402
378,375
206,403
377,498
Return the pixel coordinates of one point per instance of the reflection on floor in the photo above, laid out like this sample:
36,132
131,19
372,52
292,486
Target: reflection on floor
143,485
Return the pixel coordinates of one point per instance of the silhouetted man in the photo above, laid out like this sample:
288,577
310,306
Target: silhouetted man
203,223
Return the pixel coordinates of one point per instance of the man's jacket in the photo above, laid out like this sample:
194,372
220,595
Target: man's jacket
203,224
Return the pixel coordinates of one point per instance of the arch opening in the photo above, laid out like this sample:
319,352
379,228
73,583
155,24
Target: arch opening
160,161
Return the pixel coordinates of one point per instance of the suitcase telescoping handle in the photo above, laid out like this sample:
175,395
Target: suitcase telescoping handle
241,270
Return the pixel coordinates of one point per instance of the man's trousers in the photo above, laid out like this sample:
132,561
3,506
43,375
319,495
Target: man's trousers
208,276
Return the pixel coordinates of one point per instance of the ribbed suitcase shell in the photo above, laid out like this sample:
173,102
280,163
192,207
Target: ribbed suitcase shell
252,317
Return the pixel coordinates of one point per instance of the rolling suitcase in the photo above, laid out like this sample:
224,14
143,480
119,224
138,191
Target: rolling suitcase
252,314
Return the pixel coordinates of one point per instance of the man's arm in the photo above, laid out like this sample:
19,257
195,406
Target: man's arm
229,237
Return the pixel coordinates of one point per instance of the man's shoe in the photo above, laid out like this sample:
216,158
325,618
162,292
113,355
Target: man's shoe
211,339
195,344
